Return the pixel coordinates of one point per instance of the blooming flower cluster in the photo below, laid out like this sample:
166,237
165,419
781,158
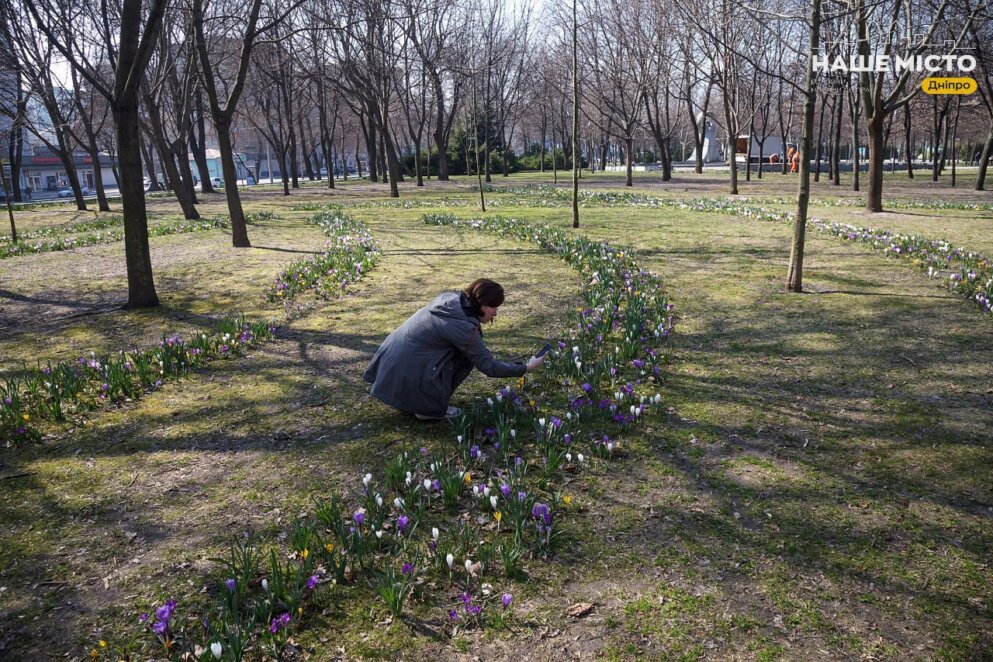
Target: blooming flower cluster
349,253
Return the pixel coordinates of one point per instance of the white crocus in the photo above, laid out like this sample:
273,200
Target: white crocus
216,649
367,479
580,458
468,566
435,533
486,491
513,433
489,401
541,422
568,457
450,559
379,534
379,500
459,439
493,501
398,503
265,584
475,491
427,484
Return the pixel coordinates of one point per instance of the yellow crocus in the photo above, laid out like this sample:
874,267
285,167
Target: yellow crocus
567,500
329,547
26,417
103,644
304,554
468,478
497,515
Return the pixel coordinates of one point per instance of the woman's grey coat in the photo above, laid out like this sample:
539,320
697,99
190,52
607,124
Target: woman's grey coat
419,365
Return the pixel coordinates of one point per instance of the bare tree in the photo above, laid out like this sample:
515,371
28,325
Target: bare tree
126,53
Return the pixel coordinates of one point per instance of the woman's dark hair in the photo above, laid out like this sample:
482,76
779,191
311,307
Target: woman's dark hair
484,292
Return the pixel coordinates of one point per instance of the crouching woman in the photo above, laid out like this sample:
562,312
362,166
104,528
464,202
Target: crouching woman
419,365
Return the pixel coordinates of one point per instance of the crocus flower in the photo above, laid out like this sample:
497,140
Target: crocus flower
407,569
402,522
143,617
216,649
449,559
230,583
506,600
358,517
435,533
505,490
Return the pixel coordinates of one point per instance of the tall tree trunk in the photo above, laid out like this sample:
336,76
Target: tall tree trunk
794,278
908,147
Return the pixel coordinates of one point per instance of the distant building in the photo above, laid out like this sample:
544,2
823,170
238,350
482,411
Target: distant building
42,170
214,165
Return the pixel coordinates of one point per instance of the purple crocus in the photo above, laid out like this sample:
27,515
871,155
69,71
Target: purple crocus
506,600
164,613
358,517
160,628
143,617
505,490
402,522
407,569
312,582
230,583
542,513
474,452
436,485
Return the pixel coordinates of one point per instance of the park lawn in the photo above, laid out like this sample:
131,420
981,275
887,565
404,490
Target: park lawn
818,487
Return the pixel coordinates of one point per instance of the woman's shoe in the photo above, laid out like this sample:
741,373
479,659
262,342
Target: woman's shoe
451,412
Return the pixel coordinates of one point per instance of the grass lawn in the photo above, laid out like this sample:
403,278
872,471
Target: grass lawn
816,485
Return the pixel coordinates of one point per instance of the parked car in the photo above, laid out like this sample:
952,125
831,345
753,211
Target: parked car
67,192
217,181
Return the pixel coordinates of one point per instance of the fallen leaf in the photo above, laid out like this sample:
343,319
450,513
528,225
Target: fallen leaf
580,609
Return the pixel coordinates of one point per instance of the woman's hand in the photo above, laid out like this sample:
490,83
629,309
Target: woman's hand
535,362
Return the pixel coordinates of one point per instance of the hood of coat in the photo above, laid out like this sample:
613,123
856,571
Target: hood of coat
449,306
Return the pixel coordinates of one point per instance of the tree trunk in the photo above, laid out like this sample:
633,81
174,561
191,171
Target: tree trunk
984,159
874,194
141,287
907,146
794,278
198,145
629,160
239,231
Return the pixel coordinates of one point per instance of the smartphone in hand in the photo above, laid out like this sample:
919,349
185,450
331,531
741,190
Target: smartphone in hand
543,350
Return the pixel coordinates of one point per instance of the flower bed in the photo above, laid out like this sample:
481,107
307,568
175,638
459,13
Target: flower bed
83,226
64,243
65,391
967,273
472,514
350,252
